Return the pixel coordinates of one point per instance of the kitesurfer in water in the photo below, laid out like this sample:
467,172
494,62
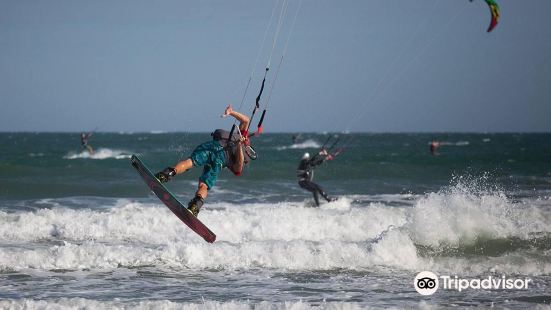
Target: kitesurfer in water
305,174
84,142
296,138
221,152
434,145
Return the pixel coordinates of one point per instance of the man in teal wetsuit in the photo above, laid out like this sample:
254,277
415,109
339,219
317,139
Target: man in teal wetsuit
221,152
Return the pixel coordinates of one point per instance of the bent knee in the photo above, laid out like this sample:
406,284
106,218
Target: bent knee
203,185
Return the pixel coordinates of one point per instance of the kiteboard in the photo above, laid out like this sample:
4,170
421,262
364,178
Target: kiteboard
171,202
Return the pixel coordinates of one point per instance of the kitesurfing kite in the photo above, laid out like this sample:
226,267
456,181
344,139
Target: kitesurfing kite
494,9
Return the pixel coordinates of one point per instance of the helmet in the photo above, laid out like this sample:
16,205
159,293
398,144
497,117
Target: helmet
306,156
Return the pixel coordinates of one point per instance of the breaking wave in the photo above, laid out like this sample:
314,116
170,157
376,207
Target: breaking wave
101,153
446,231
307,144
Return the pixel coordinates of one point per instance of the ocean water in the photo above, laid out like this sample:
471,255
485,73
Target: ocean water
82,231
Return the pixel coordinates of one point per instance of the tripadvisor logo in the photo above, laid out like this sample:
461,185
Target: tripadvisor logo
427,283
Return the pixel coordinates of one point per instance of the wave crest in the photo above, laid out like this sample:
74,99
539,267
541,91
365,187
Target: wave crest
307,144
101,153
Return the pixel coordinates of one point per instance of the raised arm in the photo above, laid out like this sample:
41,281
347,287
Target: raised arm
243,119
322,156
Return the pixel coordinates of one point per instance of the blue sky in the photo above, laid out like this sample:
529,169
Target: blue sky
359,65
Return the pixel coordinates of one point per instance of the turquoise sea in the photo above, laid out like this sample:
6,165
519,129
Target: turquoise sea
83,231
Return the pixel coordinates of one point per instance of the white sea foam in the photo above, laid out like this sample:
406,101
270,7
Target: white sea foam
457,143
155,224
307,144
459,216
81,303
272,236
101,153
287,236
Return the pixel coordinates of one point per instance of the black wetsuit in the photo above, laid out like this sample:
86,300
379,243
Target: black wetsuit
84,140
305,174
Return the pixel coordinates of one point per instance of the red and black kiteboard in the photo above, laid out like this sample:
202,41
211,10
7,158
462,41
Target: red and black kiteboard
171,202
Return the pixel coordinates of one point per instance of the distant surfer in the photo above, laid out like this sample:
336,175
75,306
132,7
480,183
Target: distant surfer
434,145
305,174
221,152
84,137
296,138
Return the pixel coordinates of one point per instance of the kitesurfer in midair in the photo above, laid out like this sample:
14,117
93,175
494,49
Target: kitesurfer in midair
221,152
305,174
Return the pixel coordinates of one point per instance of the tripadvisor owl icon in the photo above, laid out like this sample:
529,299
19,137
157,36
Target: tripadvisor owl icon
426,283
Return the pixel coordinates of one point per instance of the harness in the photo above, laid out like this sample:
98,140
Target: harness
227,141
